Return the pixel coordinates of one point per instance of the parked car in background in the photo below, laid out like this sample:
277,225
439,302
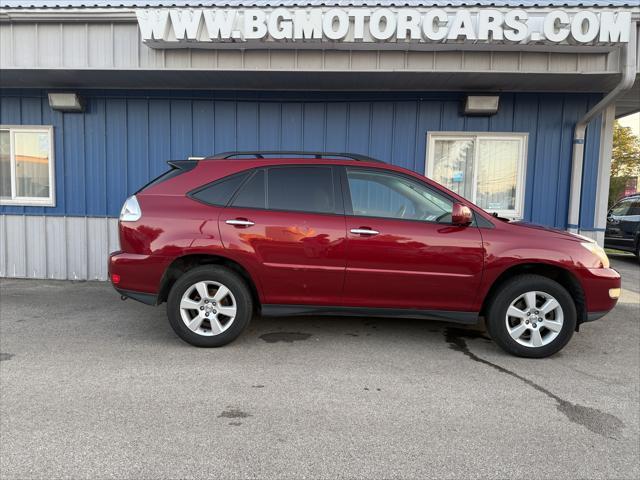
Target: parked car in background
623,225
228,236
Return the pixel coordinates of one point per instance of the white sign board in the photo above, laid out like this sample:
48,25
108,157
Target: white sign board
207,27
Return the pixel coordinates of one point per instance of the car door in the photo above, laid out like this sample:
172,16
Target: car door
631,226
616,225
402,250
288,223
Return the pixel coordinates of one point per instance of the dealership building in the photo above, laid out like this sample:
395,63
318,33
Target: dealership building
510,104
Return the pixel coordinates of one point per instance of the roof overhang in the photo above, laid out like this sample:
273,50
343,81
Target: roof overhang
629,102
287,80
100,44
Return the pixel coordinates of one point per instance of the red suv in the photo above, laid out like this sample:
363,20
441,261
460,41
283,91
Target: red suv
279,233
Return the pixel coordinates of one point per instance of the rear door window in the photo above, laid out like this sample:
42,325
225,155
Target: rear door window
301,188
220,192
253,193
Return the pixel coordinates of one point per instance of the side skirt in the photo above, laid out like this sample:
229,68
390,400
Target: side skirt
467,318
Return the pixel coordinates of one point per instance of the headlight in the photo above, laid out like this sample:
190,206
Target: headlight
598,251
130,210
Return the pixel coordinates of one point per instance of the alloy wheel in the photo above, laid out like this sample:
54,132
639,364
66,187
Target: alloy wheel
534,319
208,308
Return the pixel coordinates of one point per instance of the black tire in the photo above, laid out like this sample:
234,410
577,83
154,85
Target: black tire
510,291
234,282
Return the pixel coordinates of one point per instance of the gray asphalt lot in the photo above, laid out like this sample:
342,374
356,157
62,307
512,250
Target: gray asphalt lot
92,387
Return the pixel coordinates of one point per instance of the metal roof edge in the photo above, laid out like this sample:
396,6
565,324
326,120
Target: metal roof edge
118,4
124,10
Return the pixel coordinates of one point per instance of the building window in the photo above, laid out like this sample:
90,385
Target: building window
486,168
26,165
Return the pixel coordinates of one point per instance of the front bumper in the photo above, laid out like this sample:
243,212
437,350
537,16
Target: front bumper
591,316
597,284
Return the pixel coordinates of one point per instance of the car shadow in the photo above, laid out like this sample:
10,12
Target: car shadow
340,330
627,259
139,322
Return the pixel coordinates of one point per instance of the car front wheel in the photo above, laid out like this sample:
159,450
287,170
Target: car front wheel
209,306
532,316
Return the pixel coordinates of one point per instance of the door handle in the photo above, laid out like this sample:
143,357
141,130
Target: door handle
240,222
364,231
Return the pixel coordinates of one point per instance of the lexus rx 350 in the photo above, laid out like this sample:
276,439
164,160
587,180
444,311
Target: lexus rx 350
223,238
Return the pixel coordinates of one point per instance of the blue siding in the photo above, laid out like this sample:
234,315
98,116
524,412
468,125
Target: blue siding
123,139
117,173
96,149
138,127
159,136
545,172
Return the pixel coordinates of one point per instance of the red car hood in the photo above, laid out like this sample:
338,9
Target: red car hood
554,231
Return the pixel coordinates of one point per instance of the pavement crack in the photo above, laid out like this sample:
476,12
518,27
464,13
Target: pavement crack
596,421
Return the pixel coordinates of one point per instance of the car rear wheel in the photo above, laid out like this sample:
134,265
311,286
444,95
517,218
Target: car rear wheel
532,316
209,306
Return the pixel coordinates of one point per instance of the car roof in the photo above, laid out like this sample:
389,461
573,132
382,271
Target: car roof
218,168
633,195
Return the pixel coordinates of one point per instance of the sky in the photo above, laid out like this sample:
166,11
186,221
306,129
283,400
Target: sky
632,121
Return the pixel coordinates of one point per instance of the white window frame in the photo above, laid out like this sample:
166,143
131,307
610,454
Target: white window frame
523,138
30,201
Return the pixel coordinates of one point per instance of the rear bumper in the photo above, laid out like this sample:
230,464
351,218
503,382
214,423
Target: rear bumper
147,298
137,276
597,284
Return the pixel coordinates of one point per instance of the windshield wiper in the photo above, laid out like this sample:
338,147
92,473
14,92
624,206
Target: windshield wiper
495,215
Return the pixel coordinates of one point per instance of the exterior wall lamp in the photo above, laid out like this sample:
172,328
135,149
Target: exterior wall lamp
66,102
481,104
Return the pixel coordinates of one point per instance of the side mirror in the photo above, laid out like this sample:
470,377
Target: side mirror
461,215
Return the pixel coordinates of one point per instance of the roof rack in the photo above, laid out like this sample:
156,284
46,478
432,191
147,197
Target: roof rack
292,153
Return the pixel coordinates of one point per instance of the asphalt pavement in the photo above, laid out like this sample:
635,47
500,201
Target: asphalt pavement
93,387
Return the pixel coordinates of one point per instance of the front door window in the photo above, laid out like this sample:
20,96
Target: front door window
384,195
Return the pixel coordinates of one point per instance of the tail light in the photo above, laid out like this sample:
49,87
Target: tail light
130,210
